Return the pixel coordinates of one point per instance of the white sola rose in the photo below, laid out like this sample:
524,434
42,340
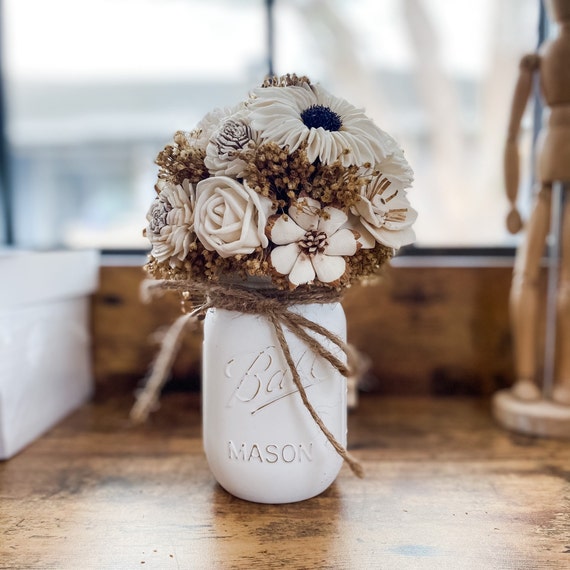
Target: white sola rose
383,214
332,128
171,222
230,217
310,244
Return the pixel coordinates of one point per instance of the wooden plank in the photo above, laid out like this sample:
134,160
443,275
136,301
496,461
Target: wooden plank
126,332
440,330
444,488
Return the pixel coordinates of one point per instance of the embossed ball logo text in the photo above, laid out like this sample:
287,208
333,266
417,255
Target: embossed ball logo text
260,380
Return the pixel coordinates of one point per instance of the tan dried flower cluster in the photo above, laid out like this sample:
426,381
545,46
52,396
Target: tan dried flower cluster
288,80
337,184
181,161
271,170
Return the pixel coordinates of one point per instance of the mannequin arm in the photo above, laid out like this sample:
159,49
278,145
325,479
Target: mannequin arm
528,65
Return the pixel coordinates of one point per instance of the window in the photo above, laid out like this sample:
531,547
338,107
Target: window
95,89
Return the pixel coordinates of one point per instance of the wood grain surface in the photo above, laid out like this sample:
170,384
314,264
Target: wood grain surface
444,488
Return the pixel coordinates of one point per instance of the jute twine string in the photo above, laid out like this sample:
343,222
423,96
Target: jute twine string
271,303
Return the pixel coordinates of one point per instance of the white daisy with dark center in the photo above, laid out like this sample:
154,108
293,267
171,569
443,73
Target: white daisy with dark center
333,129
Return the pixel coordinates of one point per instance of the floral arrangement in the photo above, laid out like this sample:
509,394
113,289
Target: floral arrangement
293,185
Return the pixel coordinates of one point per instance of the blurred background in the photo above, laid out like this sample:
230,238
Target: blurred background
92,91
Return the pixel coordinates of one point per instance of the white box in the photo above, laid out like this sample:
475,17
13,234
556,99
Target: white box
45,363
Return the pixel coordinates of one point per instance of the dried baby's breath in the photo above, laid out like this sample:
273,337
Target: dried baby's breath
366,263
336,184
286,81
181,161
271,171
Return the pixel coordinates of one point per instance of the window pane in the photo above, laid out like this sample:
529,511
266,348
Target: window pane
96,88
439,77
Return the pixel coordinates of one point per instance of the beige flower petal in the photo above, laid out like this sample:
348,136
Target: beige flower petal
391,238
365,210
306,213
343,242
303,271
284,257
332,221
366,239
284,230
329,268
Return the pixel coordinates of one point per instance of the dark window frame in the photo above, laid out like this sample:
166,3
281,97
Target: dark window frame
6,223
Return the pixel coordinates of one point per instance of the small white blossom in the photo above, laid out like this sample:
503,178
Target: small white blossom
383,214
311,243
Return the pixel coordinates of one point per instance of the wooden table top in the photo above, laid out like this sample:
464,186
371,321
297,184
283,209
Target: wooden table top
444,488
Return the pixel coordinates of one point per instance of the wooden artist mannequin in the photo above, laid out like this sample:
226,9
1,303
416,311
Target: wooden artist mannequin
552,66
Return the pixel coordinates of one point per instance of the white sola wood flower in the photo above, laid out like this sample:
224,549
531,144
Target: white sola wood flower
383,214
201,135
222,153
230,217
332,128
171,222
311,243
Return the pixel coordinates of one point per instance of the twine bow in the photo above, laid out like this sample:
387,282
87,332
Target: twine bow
271,303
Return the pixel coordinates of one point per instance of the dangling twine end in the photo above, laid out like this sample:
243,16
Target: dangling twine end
141,409
148,289
355,465
340,449
148,397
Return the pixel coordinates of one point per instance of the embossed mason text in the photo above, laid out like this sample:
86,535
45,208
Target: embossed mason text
270,453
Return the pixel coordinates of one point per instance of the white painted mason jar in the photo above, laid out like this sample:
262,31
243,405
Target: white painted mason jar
260,440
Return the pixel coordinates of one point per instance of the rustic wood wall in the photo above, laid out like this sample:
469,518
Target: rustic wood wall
427,330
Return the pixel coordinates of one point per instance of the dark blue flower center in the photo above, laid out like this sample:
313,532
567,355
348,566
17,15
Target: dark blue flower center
320,116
